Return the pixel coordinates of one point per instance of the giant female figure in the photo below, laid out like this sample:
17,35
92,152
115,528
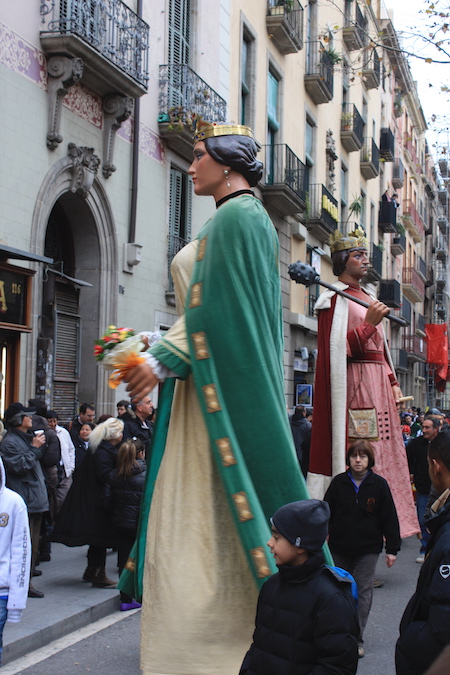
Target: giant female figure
222,458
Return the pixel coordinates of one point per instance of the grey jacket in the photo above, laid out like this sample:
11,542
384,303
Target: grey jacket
23,470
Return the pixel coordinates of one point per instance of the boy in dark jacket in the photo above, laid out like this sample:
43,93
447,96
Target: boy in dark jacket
306,621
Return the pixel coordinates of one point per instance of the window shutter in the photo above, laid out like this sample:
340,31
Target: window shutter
272,102
179,31
67,351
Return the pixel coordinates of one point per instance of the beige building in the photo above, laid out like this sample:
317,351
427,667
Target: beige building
96,196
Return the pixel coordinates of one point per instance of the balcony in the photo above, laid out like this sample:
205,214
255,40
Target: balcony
400,359
440,274
390,293
415,347
387,218
352,128
405,311
375,271
371,69
322,217
387,145
354,26
413,285
412,221
443,196
443,167
319,73
422,268
420,326
110,38
398,245
369,159
442,224
441,306
285,182
398,175
284,22
410,151
183,93
441,248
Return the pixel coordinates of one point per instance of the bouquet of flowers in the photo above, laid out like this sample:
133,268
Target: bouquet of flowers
119,350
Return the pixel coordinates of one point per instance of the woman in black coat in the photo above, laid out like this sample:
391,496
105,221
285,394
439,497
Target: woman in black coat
363,515
123,495
83,518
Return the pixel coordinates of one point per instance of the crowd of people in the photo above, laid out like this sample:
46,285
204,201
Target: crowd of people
81,483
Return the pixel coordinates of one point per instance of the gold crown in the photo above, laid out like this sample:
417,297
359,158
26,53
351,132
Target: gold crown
340,242
204,129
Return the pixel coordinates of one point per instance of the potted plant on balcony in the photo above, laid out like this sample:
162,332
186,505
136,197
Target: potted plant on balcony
354,208
281,6
347,121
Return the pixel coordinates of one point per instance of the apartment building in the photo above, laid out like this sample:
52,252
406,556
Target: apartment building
98,98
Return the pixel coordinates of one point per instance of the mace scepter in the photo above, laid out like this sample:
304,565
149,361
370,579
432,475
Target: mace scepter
304,274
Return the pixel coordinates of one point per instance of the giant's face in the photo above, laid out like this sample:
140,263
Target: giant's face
207,174
358,263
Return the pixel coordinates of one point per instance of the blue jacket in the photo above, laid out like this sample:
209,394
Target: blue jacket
306,623
425,625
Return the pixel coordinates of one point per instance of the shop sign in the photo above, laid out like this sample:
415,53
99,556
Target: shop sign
14,297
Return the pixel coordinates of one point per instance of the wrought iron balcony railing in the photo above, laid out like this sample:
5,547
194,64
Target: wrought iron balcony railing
319,76
399,359
387,145
108,26
398,175
370,159
415,346
354,26
282,166
390,293
371,69
352,127
182,92
285,23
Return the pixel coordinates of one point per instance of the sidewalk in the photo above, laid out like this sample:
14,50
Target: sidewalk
69,603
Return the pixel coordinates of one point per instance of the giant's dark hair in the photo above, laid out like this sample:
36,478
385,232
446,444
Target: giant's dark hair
339,260
237,152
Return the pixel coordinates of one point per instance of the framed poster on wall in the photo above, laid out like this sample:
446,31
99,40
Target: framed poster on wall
304,394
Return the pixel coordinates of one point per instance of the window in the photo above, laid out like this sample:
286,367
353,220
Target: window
312,292
272,122
309,146
344,193
179,31
180,214
247,77
362,218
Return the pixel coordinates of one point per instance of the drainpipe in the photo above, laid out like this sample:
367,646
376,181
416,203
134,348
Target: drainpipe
135,160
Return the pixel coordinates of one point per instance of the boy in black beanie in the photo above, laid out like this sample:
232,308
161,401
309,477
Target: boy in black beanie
306,620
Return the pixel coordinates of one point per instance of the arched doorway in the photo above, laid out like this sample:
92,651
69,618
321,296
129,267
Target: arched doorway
76,298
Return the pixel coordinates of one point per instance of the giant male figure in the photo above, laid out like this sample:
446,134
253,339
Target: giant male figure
356,389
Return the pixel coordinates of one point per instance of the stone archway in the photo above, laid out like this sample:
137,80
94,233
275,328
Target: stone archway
96,261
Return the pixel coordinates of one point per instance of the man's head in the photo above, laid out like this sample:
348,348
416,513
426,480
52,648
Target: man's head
407,419
122,407
52,419
19,417
143,408
299,529
430,428
87,413
439,461
39,405
299,412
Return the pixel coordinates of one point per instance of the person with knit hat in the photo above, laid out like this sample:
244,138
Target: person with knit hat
306,616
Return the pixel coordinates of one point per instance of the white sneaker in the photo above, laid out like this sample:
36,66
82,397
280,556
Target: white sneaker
420,559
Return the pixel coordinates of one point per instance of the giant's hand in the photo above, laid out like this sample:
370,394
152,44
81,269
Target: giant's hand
141,380
376,312
397,392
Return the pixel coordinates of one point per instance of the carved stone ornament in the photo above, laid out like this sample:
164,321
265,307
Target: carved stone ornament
116,109
331,157
84,168
63,72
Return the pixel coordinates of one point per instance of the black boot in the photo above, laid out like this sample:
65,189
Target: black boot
90,573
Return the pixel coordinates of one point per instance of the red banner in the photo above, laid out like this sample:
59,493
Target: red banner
437,353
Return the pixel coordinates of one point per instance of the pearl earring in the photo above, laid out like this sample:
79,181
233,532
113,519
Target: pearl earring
226,172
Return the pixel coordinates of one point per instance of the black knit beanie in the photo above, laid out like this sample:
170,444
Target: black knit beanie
304,524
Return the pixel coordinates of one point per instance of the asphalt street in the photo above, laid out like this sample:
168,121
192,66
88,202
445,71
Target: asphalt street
104,649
